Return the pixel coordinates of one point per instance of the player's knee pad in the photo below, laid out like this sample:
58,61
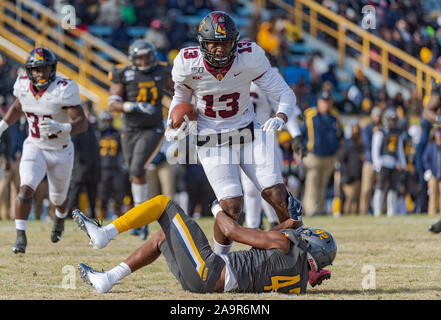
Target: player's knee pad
57,199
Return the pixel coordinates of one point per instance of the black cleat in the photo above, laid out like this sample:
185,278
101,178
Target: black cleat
57,229
20,242
436,227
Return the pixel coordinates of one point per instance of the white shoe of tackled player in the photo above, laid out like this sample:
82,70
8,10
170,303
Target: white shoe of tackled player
98,280
95,230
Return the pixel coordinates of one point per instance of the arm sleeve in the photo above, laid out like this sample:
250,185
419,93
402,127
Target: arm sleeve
275,86
116,75
71,96
293,126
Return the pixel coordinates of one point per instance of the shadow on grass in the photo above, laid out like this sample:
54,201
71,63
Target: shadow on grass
373,292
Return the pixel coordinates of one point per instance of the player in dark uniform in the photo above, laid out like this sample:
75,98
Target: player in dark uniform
282,261
432,114
388,160
137,91
112,176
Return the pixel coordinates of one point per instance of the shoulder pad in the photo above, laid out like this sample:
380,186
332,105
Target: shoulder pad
117,72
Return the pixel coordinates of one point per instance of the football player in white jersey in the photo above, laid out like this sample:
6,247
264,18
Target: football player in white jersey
219,73
52,108
264,107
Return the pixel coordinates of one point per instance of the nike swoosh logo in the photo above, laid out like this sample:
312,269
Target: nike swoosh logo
236,74
221,144
299,209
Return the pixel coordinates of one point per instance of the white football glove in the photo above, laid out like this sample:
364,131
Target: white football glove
172,134
274,124
50,127
143,107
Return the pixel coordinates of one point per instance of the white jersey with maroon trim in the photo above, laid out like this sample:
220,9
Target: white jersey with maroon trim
222,95
60,93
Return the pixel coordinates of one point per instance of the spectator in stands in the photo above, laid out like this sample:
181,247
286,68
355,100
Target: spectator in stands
86,11
128,12
432,174
109,13
120,38
176,32
144,13
346,105
351,162
268,39
368,176
322,133
6,81
157,36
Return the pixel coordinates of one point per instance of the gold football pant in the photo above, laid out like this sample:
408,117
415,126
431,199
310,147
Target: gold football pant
143,214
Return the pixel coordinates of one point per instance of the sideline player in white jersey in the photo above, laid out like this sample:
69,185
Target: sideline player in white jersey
219,73
265,107
52,108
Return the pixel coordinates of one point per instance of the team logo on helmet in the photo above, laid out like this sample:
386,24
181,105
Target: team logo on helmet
39,54
201,25
219,20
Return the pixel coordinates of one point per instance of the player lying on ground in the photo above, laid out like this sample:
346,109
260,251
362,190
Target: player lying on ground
281,261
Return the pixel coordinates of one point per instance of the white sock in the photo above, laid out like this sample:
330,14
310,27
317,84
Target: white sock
61,215
111,231
221,248
116,274
20,224
140,193
377,202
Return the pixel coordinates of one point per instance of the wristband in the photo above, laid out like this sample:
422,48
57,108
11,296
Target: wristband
127,106
67,127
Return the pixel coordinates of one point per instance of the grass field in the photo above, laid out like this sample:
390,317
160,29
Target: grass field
406,259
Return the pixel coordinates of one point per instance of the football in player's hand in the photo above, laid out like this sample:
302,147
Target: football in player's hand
179,111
